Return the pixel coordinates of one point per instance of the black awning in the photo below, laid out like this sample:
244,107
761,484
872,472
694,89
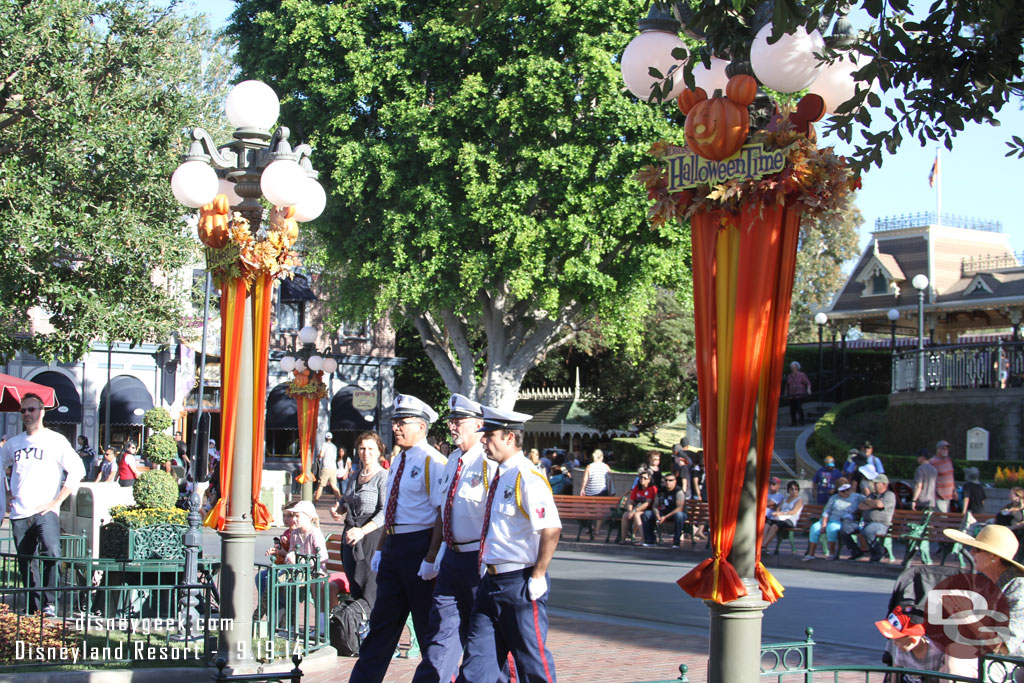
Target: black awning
282,409
296,289
130,401
69,402
344,417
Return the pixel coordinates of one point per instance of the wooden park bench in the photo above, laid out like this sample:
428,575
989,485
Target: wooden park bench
587,509
810,514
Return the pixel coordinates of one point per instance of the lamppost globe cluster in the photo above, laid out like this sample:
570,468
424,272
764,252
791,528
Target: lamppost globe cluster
314,360
788,65
257,162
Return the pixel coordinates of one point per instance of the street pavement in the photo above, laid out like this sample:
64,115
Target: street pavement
619,617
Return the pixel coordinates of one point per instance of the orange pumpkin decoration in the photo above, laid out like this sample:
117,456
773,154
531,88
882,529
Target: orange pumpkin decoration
213,222
282,220
716,128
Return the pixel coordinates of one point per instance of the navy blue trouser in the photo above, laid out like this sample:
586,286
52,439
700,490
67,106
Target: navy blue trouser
504,621
38,535
448,629
399,592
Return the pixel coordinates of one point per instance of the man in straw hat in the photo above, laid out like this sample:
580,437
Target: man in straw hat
408,524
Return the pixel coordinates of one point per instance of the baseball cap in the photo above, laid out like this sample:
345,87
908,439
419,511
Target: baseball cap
941,444
881,478
774,480
899,625
306,507
844,487
829,460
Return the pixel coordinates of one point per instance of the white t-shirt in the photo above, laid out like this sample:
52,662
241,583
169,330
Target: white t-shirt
38,463
328,456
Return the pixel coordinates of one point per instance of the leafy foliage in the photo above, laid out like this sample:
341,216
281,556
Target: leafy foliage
94,96
158,419
30,632
962,62
480,166
160,448
136,518
651,385
155,489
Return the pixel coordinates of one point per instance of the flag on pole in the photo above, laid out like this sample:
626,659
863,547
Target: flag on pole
934,175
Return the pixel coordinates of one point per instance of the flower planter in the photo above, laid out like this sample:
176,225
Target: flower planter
154,542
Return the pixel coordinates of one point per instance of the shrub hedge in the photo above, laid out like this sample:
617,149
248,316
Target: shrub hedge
824,441
155,489
160,448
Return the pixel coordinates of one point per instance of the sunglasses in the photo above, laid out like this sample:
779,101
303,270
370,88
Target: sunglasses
28,410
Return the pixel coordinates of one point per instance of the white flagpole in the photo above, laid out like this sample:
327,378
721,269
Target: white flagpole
938,185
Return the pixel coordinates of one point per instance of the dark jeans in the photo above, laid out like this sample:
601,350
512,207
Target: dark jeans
796,410
38,535
678,520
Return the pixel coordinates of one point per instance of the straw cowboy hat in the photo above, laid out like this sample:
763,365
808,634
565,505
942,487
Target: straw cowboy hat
996,539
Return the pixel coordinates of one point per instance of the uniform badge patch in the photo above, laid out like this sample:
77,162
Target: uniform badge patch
541,512
508,494
415,472
475,480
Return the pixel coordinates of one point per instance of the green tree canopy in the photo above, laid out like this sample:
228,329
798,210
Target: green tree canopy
479,167
94,97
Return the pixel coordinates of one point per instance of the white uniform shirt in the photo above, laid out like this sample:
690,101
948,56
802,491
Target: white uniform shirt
38,464
414,506
523,505
470,494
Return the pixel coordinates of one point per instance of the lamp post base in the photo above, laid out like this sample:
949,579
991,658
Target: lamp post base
237,583
735,655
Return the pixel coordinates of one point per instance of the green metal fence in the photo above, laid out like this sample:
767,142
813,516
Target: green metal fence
293,611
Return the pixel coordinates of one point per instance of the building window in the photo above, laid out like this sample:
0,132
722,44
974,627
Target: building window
355,330
291,315
879,285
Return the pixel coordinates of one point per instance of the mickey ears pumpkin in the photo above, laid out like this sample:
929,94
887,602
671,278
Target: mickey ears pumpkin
741,89
688,98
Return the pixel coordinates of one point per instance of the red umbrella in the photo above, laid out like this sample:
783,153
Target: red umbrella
13,388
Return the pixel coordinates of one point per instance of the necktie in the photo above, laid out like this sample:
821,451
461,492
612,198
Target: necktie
446,529
392,508
487,517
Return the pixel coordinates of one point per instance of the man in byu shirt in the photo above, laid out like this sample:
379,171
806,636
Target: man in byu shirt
519,533
459,496
38,459
408,524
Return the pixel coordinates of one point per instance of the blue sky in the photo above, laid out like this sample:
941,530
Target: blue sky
977,179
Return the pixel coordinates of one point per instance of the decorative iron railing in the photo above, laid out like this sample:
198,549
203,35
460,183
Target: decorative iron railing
982,264
925,218
966,366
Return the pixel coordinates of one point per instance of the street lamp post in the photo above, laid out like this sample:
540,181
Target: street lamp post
308,366
820,319
920,283
255,164
893,316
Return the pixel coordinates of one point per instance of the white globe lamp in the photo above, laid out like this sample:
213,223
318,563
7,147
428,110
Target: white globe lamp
789,65
711,78
194,184
820,318
330,365
307,335
920,281
835,82
313,201
315,363
287,363
252,104
652,49
300,365
283,182
893,315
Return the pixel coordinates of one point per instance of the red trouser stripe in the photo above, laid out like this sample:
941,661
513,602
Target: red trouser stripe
540,643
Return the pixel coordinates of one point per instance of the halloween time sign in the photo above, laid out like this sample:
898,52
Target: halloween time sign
687,170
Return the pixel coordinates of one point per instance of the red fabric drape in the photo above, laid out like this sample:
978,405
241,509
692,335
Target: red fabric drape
309,409
232,315
735,263
262,296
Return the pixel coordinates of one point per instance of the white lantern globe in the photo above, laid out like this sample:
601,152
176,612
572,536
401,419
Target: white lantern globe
315,363
252,104
893,315
789,65
313,201
287,363
647,50
711,78
307,335
283,182
227,188
820,318
920,281
300,365
194,184
330,365
835,82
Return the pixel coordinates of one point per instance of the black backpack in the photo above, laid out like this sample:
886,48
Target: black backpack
350,622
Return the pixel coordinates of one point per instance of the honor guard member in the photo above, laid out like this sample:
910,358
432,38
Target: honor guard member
518,538
408,524
459,495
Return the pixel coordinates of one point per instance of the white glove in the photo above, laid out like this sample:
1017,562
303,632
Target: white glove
375,562
427,571
537,587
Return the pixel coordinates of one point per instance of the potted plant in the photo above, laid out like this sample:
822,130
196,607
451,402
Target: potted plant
150,529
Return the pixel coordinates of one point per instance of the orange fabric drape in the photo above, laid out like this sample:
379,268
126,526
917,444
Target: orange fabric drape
309,409
262,296
232,315
735,265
